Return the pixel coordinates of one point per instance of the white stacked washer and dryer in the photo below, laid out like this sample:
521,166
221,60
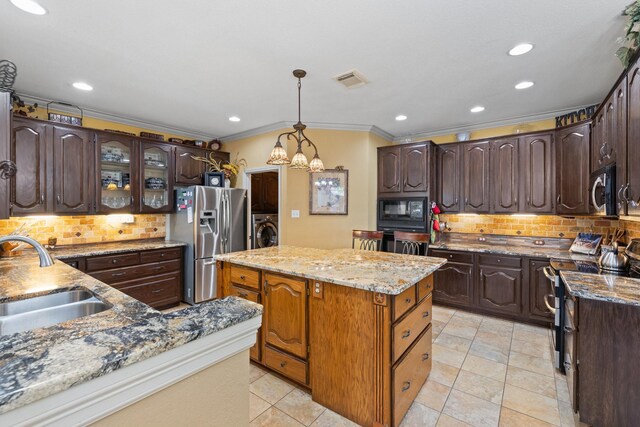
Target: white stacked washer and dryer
264,229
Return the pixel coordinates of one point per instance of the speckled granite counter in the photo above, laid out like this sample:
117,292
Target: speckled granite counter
93,249
603,287
516,250
41,362
381,272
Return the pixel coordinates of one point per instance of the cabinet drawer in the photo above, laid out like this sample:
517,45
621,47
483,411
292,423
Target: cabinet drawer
407,330
118,275
425,287
244,293
410,375
287,365
160,255
156,292
404,302
111,261
502,261
454,256
245,276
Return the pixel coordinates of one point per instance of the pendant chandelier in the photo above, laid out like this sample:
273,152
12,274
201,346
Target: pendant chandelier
299,161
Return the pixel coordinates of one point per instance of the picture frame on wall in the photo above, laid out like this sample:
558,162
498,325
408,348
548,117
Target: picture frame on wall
214,179
329,192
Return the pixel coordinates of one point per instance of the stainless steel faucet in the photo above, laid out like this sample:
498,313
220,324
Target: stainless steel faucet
45,258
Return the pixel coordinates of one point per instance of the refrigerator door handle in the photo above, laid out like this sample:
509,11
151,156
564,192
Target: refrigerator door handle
209,263
228,234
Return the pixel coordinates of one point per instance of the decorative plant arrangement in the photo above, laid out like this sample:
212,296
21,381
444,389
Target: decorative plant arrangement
230,169
632,38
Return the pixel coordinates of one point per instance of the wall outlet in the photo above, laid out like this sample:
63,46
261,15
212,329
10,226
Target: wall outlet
295,213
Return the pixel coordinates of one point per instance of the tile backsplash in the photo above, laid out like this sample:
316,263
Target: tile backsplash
87,229
535,225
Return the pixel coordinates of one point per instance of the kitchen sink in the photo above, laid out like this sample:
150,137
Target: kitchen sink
46,310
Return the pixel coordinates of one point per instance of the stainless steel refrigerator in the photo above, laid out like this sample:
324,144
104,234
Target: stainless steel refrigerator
210,221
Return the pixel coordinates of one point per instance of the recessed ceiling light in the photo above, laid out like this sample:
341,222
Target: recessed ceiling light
524,85
521,49
82,86
29,6
401,117
234,119
477,109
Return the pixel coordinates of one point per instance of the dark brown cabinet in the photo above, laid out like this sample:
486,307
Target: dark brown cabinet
156,171
453,282
389,170
631,190
264,192
572,170
28,150
448,182
414,168
505,173
189,171
116,183
540,291
500,287
475,181
620,136
72,170
538,163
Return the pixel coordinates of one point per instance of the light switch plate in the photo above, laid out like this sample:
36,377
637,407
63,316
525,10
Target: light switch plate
295,213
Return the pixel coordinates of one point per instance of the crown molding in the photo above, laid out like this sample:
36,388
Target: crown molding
310,125
485,125
30,99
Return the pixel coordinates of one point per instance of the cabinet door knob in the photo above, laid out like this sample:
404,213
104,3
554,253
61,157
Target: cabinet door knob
283,364
406,385
114,261
241,277
425,357
425,315
58,198
406,334
42,198
243,294
407,301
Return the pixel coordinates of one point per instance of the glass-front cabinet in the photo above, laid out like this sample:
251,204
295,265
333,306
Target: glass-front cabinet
156,174
115,186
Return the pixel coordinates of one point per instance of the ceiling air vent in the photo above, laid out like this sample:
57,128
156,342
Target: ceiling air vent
351,79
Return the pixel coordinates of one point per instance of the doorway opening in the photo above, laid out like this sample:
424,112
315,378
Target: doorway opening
263,206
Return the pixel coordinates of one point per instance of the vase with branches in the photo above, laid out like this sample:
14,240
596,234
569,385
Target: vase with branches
230,169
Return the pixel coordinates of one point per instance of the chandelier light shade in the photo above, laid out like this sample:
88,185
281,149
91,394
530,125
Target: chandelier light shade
299,161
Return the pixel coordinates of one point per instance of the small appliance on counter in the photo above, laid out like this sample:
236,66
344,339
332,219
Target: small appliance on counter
613,260
210,221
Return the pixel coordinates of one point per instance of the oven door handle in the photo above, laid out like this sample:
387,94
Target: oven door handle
549,273
546,302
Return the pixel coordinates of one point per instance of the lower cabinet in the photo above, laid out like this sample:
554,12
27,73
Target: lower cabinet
153,277
509,286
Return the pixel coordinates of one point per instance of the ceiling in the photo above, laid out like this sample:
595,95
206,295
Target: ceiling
192,64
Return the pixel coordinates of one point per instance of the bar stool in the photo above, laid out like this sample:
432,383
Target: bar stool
369,240
412,243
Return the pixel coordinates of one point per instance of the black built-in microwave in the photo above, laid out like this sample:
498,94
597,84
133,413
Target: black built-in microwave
403,214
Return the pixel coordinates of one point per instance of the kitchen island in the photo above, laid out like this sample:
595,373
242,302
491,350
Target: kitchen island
127,364
352,326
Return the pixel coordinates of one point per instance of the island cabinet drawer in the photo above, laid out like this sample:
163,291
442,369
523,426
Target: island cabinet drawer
464,257
110,261
237,291
404,302
425,287
410,375
117,275
499,260
287,365
408,329
245,277
157,292
160,255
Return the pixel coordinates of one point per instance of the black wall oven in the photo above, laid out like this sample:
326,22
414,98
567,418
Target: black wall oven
402,214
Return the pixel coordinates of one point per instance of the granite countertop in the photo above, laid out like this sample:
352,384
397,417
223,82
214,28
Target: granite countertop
41,362
106,248
516,250
603,287
382,272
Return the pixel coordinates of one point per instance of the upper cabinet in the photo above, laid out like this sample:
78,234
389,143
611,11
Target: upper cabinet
538,162
505,172
630,193
572,170
389,164
264,192
72,170
188,170
475,183
448,181
406,169
155,177
115,180
28,150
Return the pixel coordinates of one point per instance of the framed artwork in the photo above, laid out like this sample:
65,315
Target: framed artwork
329,192
214,179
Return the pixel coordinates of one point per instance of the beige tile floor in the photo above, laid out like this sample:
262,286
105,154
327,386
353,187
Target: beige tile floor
486,372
